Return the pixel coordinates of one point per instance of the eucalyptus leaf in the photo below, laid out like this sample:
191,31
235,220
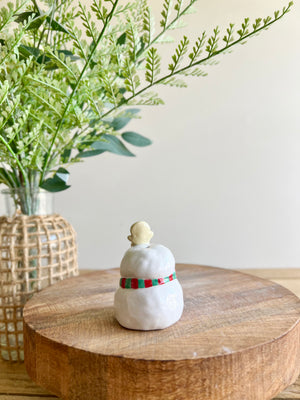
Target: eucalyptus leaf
118,123
89,153
43,123
87,140
8,178
62,174
53,185
113,145
136,139
58,182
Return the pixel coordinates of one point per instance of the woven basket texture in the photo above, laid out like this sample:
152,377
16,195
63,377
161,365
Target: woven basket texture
35,252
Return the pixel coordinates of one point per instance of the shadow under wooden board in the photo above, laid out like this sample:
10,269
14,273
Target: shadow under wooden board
238,339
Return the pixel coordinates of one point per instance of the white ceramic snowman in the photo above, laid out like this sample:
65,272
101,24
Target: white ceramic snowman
150,296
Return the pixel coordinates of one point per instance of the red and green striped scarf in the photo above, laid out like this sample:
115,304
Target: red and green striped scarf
134,283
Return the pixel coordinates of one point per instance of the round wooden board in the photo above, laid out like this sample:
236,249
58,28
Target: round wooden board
238,339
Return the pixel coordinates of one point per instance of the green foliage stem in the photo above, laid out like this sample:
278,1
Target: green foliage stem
244,34
66,96
108,19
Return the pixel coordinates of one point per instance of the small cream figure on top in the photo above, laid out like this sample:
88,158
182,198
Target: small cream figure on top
150,295
140,233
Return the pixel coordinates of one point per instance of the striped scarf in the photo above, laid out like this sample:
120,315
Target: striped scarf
134,283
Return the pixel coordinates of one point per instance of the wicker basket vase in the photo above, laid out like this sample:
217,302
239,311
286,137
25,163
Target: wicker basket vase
35,251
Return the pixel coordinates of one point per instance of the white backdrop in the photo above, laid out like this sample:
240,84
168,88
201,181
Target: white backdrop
220,184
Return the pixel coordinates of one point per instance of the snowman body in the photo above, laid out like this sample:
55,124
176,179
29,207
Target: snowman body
150,296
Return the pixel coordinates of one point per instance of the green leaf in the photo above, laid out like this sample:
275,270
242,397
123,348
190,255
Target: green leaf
113,145
179,53
58,182
69,54
148,26
174,82
178,6
43,59
121,39
25,15
52,185
165,13
149,98
197,48
152,65
8,178
66,155
136,139
119,122
39,19
62,174
89,153
37,22
51,63
212,45
27,51
57,26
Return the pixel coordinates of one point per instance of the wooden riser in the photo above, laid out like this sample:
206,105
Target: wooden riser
239,338
15,383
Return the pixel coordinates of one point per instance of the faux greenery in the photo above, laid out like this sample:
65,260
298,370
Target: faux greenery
67,94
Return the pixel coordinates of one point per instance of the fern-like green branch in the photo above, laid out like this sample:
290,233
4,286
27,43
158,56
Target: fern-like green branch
107,21
65,96
211,49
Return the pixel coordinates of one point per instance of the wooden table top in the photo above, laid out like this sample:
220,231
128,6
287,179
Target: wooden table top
16,385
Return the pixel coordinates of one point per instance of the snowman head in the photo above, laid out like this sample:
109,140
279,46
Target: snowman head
140,233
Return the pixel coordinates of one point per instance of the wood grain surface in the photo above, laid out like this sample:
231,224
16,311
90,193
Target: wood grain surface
15,383
237,339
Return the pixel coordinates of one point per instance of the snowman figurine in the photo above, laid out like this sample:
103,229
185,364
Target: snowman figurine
150,296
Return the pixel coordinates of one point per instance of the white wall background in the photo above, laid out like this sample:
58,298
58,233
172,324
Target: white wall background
221,183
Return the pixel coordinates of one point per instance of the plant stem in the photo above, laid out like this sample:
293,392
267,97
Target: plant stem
167,27
44,28
36,6
49,33
109,17
12,14
41,37
16,159
203,60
